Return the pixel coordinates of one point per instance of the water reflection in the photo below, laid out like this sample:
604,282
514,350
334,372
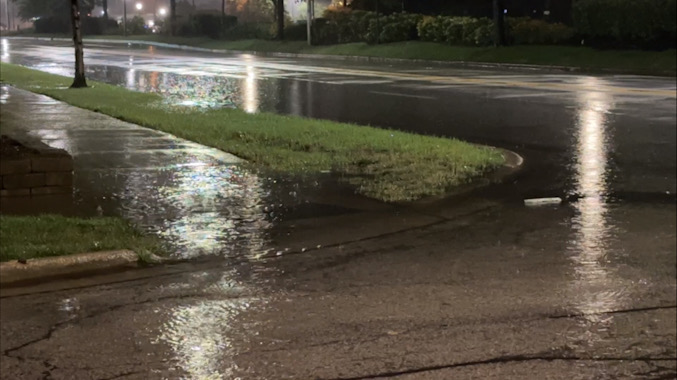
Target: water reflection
248,92
595,287
4,48
251,94
201,209
201,337
207,335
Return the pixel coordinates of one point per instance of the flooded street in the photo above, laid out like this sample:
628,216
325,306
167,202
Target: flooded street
301,279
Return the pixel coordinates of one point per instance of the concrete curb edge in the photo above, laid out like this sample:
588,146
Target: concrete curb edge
70,265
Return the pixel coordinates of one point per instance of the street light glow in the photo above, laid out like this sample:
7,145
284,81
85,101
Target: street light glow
163,11
139,6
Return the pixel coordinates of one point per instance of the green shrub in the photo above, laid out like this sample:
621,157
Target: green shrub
297,31
261,31
349,26
433,29
394,28
207,24
136,25
457,30
325,32
527,31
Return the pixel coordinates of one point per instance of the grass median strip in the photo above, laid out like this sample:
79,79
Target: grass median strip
29,237
383,164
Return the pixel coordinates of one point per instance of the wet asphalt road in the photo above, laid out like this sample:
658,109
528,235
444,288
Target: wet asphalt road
476,286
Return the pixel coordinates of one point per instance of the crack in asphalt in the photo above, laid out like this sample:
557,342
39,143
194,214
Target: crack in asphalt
57,326
124,374
47,374
497,360
620,311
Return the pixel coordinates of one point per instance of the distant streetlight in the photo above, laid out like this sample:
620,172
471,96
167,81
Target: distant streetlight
139,6
163,11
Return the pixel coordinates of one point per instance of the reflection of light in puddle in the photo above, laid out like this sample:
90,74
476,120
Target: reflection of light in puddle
594,286
251,95
217,205
131,78
202,335
207,335
5,49
4,94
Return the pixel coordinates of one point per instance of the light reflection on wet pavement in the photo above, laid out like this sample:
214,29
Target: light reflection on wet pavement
477,286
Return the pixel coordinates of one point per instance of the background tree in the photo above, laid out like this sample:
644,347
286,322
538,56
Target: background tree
279,17
104,5
499,27
172,17
79,79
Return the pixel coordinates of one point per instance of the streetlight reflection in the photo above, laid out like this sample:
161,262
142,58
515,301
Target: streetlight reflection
595,288
251,94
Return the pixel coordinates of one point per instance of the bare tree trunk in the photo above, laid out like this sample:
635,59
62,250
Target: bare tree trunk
499,29
223,11
104,5
79,79
345,3
172,17
279,10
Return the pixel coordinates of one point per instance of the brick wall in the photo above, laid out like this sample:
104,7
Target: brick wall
48,171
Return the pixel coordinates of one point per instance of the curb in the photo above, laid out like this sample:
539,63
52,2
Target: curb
466,64
13,272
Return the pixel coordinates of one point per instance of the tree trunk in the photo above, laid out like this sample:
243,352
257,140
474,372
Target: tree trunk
499,28
223,11
345,3
378,25
279,10
172,17
79,79
104,5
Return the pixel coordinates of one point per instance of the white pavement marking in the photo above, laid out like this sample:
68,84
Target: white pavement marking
538,94
403,95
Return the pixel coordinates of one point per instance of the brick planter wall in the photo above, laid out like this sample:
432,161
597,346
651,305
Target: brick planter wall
46,171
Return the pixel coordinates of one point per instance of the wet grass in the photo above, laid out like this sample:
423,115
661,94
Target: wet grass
585,58
28,237
382,164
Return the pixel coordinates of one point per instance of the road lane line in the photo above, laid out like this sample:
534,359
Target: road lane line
403,95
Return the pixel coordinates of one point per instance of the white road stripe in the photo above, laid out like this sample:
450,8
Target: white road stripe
403,95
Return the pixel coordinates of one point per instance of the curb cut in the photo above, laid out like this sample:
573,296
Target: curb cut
465,64
13,272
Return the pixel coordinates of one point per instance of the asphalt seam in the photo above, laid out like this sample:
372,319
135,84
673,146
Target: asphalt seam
500,360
